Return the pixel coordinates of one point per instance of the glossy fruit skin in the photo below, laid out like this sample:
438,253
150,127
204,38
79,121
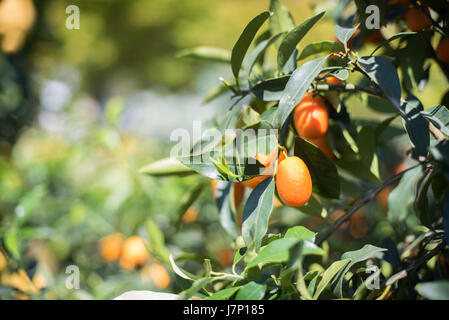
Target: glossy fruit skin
239,191
134,253
323,145
417,20
293,182
111,246
333,80
442,50
310,117
268,161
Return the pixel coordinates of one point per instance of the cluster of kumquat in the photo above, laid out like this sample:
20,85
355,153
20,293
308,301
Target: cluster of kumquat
132,253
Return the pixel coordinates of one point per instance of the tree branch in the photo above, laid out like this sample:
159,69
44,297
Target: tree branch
404,273
371,195
348,87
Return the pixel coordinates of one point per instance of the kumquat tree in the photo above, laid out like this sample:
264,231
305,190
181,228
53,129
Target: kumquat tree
211,150
329,173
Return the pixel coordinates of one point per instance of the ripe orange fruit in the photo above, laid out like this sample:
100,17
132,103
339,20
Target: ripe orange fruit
190,215
239,191
157,274
333,80
111,246
323,145
134,253
442,50
358,226
293,182
417,20
310,117
268,162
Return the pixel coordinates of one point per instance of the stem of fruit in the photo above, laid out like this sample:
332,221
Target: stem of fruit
371,195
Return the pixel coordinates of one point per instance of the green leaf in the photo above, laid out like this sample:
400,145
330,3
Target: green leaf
251,291
277,251
436,290
344,34
12,242
300,233
440,151
271,89
259,51
196,286
210,54
320,47
215,93
189,198
166,167
325,181
378,104
249,117
281,21
400,200
157,241
242,45
384,74
384,125
223,201
328,275
396,36
297,86
257,213
366,142
224,294
368,251
439,116
293,37
415,125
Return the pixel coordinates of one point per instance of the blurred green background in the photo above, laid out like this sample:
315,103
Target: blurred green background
82,110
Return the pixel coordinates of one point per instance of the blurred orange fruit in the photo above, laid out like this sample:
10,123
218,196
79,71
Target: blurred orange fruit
157,274
417,20
111,247
374,37
134,253
382,197
310,117
442,50
190,215
226,257
358,226
293,182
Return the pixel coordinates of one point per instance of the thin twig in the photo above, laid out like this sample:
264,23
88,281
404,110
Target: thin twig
371,195
349,87
404,273
436,132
